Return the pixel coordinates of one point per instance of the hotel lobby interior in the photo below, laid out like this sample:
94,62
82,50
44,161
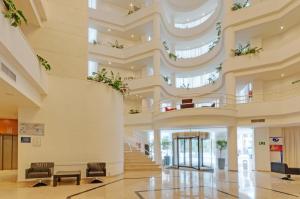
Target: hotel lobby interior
149,99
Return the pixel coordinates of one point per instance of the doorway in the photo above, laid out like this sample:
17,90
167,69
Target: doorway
192,151
8,144
245,149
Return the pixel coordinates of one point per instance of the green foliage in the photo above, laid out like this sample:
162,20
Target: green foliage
219,68
117,45
44,62
14,15
133,10
134,111
219,32
238,5
165,143
221,145
165,44
245,50
115,81
173,56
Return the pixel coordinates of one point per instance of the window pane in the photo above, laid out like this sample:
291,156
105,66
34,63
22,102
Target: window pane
92,4
92,67
92,35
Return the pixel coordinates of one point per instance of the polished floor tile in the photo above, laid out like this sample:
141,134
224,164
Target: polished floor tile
177,184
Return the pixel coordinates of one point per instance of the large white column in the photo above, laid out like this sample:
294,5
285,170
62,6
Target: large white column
156,99
230,90
173,79
157,146
229,42
262,149
232,148
156,63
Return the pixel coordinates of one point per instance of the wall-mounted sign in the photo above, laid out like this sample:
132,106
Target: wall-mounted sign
32,129
278,148
276,140
258,121
261,143
25,139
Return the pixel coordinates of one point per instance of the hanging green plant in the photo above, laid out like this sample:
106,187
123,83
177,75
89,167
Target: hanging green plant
14,15
173,56
115,81
44,62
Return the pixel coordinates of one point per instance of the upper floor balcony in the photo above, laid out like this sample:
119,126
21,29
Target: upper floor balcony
20,67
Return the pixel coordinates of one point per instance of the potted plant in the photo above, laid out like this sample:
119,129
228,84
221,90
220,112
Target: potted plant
165,146
239,5
221,145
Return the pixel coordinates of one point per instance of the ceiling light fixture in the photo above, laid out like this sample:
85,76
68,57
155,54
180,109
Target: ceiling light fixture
282,75
131,67
281,27
109,62
132,35
108,29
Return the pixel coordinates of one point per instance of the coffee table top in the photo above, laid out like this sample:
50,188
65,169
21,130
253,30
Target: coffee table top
67,173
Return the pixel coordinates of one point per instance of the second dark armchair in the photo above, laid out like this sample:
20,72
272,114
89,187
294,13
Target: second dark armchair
96,169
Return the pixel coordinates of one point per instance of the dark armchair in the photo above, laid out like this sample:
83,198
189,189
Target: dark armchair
96,169
39,170
283,168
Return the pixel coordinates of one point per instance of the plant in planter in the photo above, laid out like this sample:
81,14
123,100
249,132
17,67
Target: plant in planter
165,143
221,145
212,78
219,32
43,62
117,45
95,42
133,9
246,50
171,55
134,111
14,15
219,68
115,81
239,5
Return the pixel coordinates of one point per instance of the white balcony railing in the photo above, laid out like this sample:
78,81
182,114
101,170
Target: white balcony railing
194,23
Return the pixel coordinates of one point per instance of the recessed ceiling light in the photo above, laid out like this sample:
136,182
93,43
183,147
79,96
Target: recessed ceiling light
187,19
132,35
109,62
108,29
281,27
131,67
149,38
282,75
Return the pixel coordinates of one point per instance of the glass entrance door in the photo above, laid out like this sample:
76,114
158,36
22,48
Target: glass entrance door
188,152
195,153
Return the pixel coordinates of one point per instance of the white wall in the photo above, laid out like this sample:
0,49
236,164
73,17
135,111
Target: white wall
262,151
81,125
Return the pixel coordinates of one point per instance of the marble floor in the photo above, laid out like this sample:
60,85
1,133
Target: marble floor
167,184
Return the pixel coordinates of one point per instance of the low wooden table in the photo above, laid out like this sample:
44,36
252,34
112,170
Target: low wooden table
66,174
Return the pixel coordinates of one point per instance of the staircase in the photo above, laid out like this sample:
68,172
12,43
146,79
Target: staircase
138,161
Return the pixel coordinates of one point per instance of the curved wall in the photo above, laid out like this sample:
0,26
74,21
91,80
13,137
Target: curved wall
81,125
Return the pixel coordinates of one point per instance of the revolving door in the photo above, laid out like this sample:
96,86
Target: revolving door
192,150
